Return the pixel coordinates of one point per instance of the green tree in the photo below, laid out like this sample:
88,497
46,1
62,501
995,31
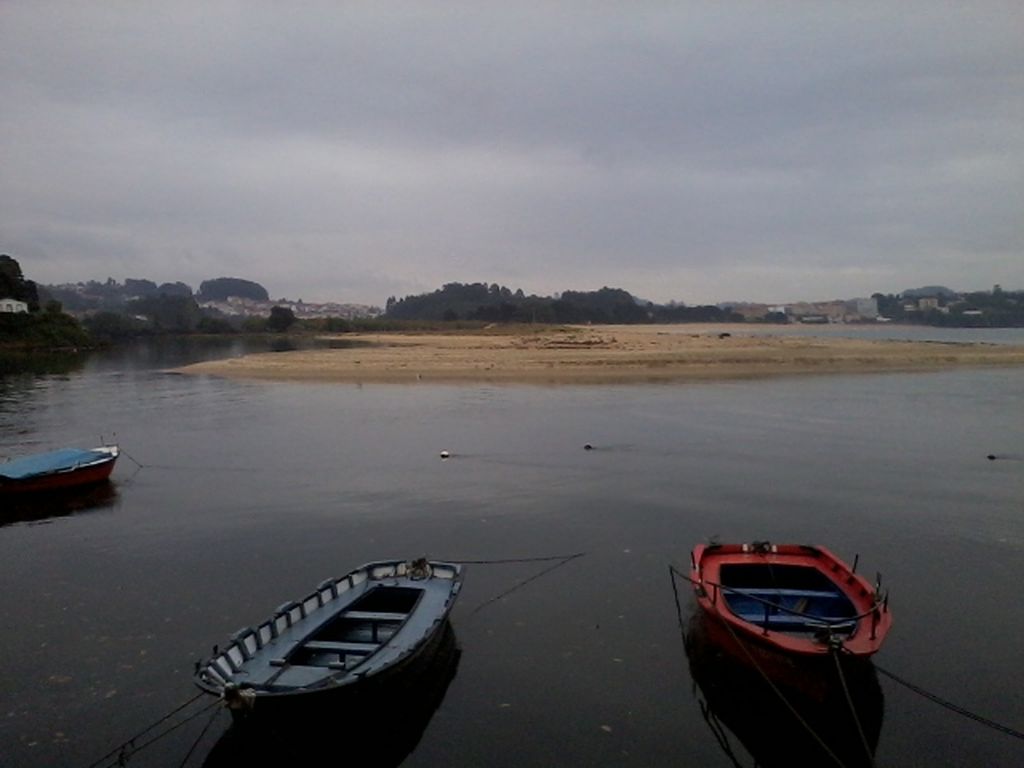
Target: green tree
112,326
280,320
13,284
221,288
174,314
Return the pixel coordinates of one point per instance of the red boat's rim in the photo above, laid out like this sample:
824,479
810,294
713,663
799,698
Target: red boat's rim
872,608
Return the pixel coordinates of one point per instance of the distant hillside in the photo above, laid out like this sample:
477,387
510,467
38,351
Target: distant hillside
222,288
930,291
112,296
495,303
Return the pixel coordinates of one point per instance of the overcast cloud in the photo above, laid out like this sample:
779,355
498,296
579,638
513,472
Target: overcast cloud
691,151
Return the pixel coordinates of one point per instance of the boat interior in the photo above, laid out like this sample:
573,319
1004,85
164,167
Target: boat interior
358,631
787,598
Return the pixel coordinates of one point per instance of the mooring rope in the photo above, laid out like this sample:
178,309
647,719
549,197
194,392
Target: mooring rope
710,718
505,561
199,738
799,718
719,732
562,560
121,753
131,458
193,467
853,709
950,705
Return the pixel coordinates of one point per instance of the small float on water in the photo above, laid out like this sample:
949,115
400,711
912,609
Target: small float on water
795,599
64,469
362,630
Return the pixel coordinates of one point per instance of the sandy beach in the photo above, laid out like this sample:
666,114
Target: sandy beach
599,354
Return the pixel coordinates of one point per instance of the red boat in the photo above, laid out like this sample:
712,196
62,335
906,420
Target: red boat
57,470
796,599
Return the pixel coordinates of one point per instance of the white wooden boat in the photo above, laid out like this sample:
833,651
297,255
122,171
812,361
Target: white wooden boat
364,628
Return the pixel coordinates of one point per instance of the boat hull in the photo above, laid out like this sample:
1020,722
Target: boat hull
812,676
718,573
391,716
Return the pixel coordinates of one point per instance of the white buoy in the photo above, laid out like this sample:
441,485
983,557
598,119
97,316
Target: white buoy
445,454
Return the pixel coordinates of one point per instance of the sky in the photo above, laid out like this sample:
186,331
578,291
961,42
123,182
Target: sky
697,152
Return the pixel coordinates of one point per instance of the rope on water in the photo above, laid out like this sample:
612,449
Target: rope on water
561,560
853,709
719,732
713,723
121,753
132,459
519,560
950,705
193,468
199,738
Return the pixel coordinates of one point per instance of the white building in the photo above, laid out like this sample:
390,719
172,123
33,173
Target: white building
13,305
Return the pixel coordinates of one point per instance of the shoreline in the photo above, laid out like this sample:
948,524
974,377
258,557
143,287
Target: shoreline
608,354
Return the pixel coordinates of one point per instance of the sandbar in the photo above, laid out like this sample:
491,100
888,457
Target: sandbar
599,355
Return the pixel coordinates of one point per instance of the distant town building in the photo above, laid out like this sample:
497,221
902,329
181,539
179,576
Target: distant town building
13,306
237,306
747,310
866,308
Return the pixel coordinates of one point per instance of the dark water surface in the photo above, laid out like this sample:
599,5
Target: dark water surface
250,494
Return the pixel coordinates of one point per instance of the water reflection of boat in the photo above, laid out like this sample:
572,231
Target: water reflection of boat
33,507
381,723
778,720
57,470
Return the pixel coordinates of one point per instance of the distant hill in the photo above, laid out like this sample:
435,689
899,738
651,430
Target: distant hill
930,291
495,303
222,288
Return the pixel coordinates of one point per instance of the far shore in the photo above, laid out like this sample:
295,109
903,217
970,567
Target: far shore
600,354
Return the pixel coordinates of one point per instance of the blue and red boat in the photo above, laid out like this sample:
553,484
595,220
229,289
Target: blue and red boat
67,468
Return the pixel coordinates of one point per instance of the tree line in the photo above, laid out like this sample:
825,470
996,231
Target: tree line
974,309
494,303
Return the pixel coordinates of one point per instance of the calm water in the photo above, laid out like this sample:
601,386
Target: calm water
250,494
